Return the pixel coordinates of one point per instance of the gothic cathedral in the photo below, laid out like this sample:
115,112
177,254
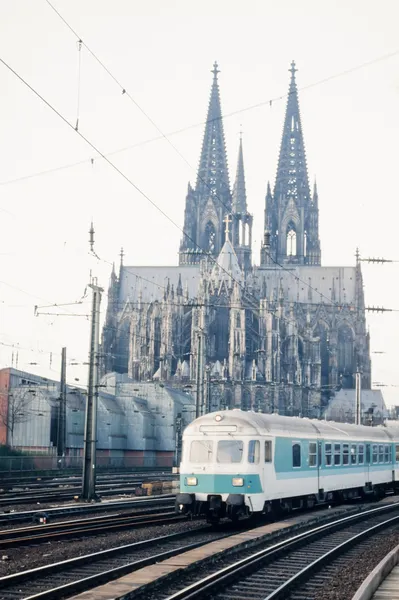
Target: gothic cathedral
282,336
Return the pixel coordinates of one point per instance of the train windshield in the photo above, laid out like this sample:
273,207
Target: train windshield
201,451
230,451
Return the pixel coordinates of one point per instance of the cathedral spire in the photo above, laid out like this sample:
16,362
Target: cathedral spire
207,204
213,177
291,213
315,197
292,175
239,192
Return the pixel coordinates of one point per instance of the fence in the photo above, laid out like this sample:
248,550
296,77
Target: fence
11,464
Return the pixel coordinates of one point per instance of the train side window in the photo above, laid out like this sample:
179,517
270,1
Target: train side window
397,452
353,454
361,454
268,452
201,451
386,457
253,452
328,454
368,450
296,454
312,454
375,453
381,453
345,454
337,454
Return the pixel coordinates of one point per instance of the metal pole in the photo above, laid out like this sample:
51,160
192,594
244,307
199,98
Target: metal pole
199,373
208,406
61,434
90,437
358,398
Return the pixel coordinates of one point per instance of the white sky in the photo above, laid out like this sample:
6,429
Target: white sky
162,52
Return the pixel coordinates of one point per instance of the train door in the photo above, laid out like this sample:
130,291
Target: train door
367,464
319,459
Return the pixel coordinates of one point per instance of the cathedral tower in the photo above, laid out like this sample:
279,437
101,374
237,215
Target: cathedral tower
291,213
242,220
207,204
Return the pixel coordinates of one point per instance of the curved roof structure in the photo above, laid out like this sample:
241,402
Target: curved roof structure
251,423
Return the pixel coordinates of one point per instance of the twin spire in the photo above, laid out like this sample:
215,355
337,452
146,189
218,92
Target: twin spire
292,175
291,215
213,175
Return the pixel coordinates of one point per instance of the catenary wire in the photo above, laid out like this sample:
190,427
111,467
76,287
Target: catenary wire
163,135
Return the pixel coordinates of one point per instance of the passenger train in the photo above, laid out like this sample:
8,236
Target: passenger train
237,463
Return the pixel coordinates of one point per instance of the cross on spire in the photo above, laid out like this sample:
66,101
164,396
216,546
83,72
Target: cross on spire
215,70
227,220
121,254
293,70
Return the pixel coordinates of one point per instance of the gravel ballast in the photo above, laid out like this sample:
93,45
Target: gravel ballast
21,559
345,581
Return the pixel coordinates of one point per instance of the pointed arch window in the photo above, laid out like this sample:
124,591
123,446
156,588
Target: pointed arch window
291,240
210,238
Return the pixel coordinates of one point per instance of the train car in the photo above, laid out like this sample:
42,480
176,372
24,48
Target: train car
244,463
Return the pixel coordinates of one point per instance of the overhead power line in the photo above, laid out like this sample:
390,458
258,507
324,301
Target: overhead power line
268,102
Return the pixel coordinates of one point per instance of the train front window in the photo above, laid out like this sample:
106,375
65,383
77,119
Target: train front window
253,451
230,451
201,451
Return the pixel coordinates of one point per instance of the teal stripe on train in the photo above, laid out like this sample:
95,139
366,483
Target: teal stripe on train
220,484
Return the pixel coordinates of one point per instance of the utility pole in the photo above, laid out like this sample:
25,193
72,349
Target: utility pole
358,420
198,400
90,436
208,405
178,431
61,432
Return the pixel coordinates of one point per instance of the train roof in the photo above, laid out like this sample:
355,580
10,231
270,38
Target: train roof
248,422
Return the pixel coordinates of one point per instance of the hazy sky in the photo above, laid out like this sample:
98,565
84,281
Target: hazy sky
162,53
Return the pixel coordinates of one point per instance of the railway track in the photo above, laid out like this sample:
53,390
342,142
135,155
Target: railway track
84,508
288,569
60,580
63,493
89,526
63,579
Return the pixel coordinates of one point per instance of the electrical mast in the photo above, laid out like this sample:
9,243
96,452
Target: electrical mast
61,433
90,432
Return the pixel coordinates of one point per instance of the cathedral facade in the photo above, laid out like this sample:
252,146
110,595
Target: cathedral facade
283,336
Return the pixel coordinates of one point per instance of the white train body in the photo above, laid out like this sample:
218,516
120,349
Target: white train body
237,462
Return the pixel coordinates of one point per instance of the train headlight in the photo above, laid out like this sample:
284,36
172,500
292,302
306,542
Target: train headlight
191,481
218,418
238,481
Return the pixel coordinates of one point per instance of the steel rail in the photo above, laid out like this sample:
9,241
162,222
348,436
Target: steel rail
304,574
78,583
139,502
76,528
210,584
